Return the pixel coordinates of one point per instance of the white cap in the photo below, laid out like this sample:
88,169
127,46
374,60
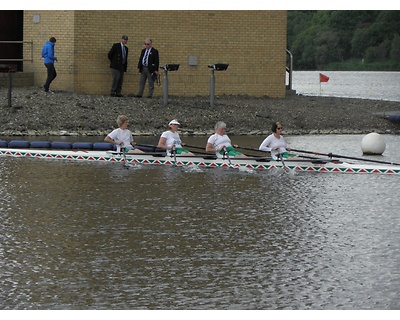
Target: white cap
173,122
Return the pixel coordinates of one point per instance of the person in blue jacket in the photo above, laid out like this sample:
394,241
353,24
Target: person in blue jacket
49,58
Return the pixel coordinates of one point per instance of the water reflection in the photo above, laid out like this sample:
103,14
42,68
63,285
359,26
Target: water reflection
100,236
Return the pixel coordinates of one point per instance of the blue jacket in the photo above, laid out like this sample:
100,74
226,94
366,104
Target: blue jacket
48,52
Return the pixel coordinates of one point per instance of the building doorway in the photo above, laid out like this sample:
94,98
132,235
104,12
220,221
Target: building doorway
11,29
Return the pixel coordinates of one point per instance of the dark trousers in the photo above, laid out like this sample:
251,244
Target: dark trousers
51,75
146,75
117,80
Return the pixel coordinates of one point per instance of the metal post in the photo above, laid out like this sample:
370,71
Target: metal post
165,88
217,67
168,67
9,87
290,69
212,88
291,72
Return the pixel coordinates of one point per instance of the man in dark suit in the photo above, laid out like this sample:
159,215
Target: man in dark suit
148,66
118,56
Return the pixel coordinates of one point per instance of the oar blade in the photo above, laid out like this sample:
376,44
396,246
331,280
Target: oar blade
333,155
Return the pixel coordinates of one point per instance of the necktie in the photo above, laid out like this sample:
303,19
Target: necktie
146,58
123,54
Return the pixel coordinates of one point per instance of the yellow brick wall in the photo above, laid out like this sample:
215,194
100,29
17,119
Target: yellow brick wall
253,43
58,24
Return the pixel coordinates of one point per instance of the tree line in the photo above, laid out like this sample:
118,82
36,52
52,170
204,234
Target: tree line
344,40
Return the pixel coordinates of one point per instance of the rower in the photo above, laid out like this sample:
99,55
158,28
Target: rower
170,140
122,137
220,143
276,144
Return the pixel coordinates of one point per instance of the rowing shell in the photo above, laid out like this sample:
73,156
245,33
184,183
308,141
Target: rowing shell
317,165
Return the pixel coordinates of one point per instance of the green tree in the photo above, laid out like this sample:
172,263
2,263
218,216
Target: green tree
303,49
391,20
327,48
360,42
371,54
344,23
298,21
318,39
395,49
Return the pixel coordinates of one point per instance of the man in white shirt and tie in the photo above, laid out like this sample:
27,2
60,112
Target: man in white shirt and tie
118,56
147,66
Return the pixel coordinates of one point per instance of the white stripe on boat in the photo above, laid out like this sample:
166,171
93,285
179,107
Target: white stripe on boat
317,165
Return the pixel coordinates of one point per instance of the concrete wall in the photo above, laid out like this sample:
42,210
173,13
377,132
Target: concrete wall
253,43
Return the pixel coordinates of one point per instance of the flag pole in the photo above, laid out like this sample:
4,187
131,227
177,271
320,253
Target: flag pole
322,78
320,85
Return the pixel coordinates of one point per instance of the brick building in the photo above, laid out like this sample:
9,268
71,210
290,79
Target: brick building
253,43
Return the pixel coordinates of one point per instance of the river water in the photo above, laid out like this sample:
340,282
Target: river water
375,85
100,236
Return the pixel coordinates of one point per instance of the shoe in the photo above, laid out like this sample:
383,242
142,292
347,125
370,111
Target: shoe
49,91
119,95
113,94
138,96
149,97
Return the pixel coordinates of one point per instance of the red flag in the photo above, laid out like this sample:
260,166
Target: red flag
323,78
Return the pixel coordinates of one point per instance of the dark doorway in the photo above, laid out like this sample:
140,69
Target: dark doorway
11,29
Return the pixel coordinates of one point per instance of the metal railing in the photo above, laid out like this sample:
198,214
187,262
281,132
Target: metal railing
289,69
23,42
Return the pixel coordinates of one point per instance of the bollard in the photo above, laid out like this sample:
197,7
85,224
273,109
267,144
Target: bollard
212,88
9,88
167,67
217,67
9,70
165,88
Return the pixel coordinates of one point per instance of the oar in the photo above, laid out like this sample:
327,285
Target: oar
155,148
126,165
251,149
262,151
280,157
148,146
202,148
199,148
185,145
227,156
332,155
194,147
174,153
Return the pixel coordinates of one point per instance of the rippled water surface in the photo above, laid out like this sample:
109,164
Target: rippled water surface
375,85
99,236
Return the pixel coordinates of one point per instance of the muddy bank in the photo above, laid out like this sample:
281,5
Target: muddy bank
34,112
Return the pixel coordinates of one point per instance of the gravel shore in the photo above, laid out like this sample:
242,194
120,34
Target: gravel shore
35,113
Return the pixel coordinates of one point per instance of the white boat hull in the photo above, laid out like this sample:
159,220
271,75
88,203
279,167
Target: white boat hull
317,165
